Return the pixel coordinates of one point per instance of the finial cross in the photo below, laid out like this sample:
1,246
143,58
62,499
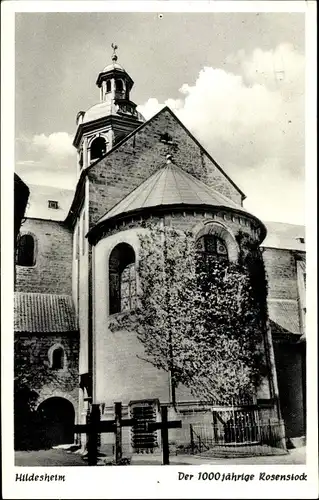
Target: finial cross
114,47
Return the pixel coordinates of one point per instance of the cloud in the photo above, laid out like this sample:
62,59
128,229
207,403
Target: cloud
47,159
252,122
56,144
250,117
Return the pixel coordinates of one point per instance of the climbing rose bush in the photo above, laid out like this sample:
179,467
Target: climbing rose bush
200,319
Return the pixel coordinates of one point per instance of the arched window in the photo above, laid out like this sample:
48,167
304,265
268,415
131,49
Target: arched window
26,250
108,86
212,247
119,85
81,158
122,279
98,148
58,358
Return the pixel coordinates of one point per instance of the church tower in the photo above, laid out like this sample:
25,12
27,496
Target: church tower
109,121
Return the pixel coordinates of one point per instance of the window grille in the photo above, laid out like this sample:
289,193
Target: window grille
122,279
213,247
143,441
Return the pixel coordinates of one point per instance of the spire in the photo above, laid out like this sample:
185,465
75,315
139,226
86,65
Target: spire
114,56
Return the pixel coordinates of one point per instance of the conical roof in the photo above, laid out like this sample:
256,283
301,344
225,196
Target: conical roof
170,185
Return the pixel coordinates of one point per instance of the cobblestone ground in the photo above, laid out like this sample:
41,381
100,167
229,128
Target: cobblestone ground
62,458
49,458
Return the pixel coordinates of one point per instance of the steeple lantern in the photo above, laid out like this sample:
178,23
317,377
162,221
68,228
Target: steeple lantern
113,81
110,120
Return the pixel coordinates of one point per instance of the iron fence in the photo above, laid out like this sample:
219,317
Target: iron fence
237,438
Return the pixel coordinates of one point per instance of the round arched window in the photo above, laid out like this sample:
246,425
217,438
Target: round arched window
122,278
212,247
119,85
98,148
26,250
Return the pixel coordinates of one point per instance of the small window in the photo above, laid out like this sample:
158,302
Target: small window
98,148
108,86
81,158
58,359
212,247
119,85
26,251
166,138
53,204
301,239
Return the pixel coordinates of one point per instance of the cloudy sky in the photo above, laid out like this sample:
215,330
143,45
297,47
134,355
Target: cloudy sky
236,80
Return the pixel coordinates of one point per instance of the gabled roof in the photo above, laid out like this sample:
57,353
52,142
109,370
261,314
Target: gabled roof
43,313
37,207
170,185
77,197
284,236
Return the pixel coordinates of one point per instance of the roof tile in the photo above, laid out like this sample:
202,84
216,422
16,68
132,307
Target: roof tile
43,313
168,186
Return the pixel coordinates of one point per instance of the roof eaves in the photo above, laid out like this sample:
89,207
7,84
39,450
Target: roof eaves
164,208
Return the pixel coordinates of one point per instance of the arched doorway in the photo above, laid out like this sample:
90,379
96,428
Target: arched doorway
56,419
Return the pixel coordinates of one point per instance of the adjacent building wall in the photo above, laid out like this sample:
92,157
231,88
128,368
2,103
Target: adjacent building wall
52,272
286,325
51,383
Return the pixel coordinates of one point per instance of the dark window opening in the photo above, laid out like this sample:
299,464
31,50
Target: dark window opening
119,85
166,138
98,148
122,279
212,247
58,359
53,204
108,86
26,251
81,159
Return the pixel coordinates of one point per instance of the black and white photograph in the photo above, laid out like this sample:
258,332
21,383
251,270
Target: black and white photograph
160,255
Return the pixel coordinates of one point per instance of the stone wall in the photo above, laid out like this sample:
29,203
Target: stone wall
52,272
47,382
133,161
282,273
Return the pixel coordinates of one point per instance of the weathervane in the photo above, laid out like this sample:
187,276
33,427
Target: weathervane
114,47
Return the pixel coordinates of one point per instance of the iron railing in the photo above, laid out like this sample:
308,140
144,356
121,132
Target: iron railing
237,438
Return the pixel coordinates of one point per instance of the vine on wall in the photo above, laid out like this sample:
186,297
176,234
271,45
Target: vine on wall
31,373
201,319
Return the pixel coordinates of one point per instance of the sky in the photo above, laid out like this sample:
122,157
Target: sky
236,80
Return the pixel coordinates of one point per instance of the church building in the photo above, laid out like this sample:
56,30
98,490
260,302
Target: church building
76,268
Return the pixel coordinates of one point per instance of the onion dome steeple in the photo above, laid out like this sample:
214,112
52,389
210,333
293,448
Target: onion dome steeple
110,120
